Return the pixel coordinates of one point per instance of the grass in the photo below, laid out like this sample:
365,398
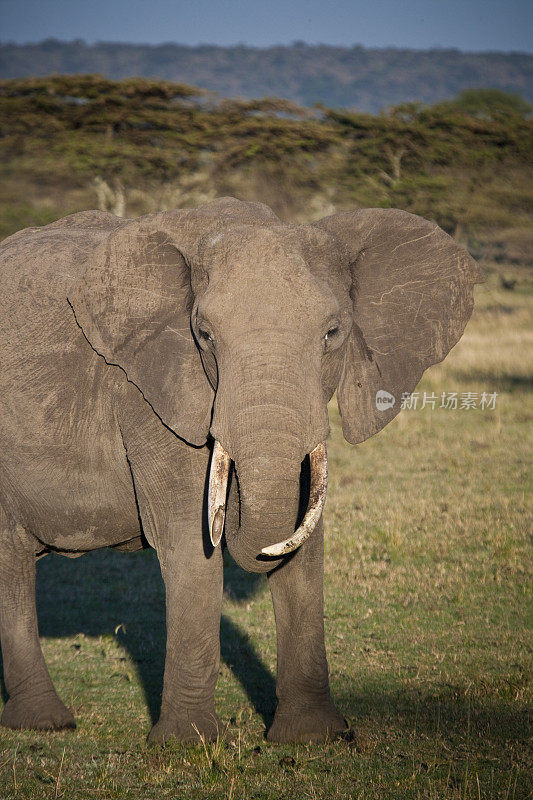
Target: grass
428,617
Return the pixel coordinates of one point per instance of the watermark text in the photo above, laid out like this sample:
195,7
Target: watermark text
450,401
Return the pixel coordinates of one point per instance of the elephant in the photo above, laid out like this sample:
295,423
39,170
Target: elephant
164,382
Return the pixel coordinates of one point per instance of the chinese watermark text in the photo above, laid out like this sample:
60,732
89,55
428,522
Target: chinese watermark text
451,401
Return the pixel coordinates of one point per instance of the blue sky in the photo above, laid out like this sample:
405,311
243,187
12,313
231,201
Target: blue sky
465,24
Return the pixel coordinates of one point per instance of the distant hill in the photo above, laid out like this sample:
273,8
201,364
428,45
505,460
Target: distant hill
356,77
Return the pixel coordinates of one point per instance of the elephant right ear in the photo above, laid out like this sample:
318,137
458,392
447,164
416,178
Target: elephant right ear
133,304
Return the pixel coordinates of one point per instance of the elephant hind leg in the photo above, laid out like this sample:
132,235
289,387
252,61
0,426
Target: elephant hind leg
33,702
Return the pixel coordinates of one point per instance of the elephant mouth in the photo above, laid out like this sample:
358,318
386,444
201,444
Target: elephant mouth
217,495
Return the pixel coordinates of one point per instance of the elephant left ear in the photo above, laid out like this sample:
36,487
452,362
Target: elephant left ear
133,303
412,295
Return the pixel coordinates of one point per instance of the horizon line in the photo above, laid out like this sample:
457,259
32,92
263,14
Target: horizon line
296,44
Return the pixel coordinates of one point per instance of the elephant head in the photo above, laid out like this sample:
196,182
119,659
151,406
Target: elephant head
233,324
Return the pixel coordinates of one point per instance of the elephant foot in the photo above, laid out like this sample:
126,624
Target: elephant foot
311,724
42,713
189,728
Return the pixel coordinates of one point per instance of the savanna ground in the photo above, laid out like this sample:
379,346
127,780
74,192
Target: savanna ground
427,587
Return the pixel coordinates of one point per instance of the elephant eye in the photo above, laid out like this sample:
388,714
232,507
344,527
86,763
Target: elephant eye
331,333
205,335
331,338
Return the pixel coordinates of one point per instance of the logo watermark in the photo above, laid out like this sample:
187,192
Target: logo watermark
450,401
384,400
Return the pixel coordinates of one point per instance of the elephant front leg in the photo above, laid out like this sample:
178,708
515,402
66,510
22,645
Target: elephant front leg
33,702
194,596
169,478
305,710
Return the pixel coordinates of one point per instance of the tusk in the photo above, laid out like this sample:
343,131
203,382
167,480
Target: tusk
218,487
317,497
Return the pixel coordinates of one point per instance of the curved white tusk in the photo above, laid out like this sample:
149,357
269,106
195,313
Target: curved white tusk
218,487
317,497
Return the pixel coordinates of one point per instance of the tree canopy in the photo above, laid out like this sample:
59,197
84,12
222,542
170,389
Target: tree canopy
465,163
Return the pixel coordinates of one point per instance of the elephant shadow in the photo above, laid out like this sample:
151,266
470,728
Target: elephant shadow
122,594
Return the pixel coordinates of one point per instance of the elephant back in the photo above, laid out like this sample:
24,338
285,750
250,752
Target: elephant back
47,259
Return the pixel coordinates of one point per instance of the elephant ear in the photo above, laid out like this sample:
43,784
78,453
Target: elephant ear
412,295
133,304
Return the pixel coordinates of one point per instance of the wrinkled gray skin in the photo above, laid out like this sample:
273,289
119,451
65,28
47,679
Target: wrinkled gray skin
125,345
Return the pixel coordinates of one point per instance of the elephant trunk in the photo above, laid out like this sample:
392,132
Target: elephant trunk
269,490
269,414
